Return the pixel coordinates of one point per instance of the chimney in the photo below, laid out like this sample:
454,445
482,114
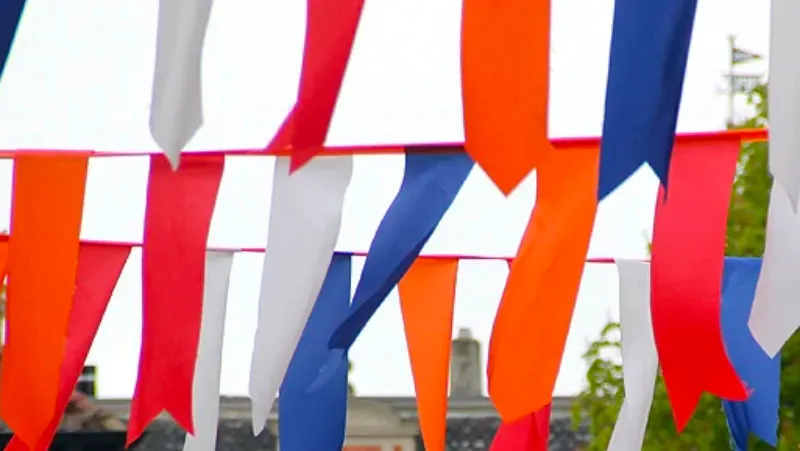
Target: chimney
87,383
466,379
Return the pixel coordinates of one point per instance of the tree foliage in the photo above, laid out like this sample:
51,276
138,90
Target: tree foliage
600,402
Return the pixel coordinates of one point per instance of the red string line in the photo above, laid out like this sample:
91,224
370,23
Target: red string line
745,135
4,237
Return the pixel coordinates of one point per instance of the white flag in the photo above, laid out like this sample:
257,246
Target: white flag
205,391
784,97
303,229
776,308
639,356
176,109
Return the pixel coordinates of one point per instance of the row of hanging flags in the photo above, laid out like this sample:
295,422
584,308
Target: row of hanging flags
713,324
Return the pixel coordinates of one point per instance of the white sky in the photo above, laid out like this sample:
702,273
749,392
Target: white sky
80,78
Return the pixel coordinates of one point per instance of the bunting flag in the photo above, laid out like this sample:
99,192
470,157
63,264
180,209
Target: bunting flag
176,110
784,90
330,32
430,185
427,300
205,388
47,208
176,226
776,313
529,433
686,273
505,76
99,268
649,50
542,286
761,374
639,355
303,424
10,16
304,225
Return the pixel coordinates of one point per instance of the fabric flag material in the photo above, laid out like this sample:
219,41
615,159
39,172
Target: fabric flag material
205,390
176,110
784,98
427,300
529,433
99,268
176,226
505,76
430,185
761,374
304,224
330,33
686,272
532,323
639,355
46,212
649,51
10,16
304,425
776,313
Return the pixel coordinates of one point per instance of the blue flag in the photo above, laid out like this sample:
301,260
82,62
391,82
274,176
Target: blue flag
430,184
316,421
649,50
10,14
760,374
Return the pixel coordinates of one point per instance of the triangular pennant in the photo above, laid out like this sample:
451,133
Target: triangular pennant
427,299
532,323
330,33
686,272
505,74
176,109
430,185
208,368
303,425
177,222
647,65
47,209
760,372
99,268
639,355
529,433
10,15
304,223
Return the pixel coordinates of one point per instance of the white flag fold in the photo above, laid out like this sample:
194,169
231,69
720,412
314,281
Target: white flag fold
639,356
776,311
205,390
176,109
784,97
303,229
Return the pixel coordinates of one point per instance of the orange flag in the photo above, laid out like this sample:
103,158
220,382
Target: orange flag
427,296
533,320
505,74
47,207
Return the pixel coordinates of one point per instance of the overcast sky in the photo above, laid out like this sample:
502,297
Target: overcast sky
80,77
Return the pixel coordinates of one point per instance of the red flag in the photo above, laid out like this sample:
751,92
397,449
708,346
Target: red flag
176,226
47,209
529,433
99,268
686,271
330,33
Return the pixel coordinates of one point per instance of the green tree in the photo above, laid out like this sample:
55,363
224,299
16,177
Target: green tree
599,403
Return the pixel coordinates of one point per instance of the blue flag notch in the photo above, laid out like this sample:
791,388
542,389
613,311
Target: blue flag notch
761,374
10,15
649,51
316,421
430,185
